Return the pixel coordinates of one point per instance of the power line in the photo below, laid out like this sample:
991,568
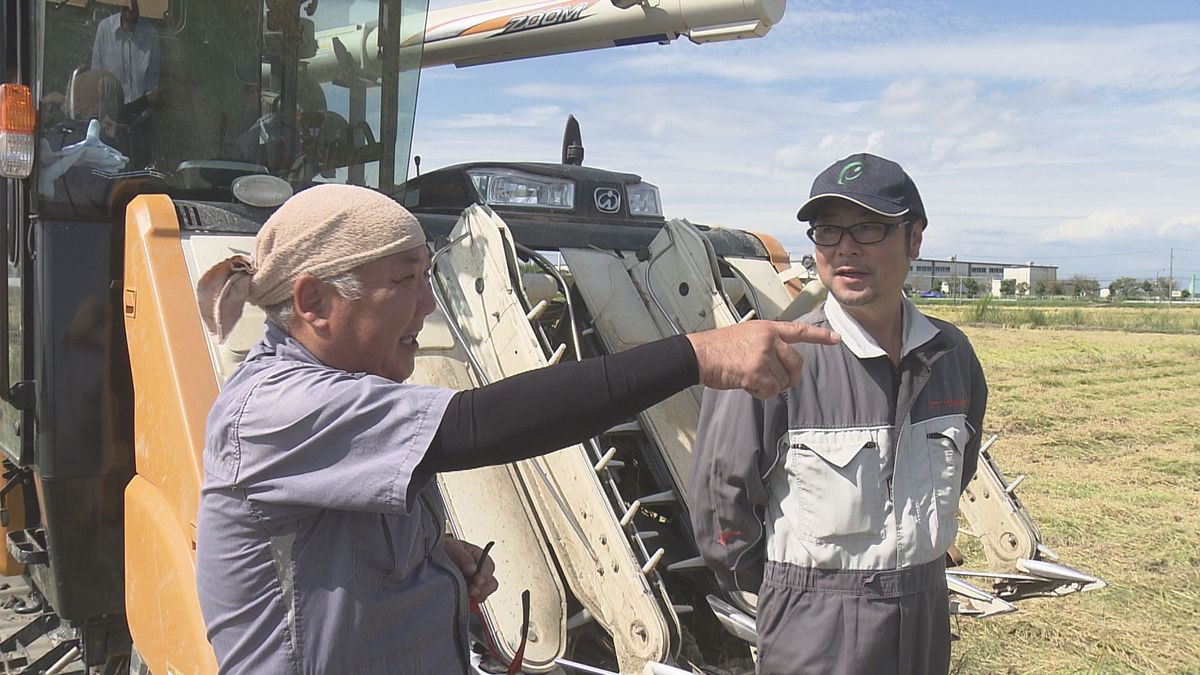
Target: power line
1089,255
1107,255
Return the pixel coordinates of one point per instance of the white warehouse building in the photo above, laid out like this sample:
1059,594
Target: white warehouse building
948,276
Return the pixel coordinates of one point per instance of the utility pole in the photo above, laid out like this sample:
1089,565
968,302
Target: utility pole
954,277
1171,277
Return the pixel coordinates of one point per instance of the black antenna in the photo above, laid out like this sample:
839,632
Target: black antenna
417,163
572,145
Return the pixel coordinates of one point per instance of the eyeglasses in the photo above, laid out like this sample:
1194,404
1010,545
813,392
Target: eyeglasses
863,233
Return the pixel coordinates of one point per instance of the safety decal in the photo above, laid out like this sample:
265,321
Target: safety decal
608,200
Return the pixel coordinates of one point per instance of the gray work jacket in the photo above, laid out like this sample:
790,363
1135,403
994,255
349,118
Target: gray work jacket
836,501
316,550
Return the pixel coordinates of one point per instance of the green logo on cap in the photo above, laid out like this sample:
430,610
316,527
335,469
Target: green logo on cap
850,172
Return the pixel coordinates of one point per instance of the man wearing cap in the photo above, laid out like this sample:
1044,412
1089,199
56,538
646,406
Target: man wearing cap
836,501
320,544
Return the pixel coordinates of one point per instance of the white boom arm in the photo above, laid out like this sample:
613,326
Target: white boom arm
507,30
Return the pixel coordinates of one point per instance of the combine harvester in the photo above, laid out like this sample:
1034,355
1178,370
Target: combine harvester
110,374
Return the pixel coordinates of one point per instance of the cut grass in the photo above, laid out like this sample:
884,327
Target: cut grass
1107,427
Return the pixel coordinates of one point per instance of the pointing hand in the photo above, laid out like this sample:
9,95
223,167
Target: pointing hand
756,356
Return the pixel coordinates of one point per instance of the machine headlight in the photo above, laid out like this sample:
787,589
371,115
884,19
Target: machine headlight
261,190
643,199
504,187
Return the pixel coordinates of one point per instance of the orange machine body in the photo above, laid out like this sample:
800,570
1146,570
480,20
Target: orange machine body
174,386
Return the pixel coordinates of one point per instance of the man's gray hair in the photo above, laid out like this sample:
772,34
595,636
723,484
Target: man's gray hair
346,284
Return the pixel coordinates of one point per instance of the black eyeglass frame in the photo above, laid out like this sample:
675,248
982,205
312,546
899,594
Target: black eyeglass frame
887,230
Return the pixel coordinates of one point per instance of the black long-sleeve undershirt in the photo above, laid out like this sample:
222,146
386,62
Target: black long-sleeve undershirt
542,410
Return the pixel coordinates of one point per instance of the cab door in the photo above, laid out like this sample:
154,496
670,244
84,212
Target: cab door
16,391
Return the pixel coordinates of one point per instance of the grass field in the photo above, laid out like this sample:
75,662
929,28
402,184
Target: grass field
1107,426
1179,318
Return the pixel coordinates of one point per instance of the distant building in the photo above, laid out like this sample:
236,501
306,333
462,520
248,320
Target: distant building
949,276
1028,276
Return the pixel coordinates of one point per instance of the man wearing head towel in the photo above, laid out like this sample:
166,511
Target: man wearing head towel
319,544
836,501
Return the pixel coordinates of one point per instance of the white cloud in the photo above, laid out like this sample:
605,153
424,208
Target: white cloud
829,19
535,117
1151,57
1181,227
963,122
1098,226
683,59
829,148
556,92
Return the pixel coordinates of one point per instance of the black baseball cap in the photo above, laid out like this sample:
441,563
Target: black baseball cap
872,182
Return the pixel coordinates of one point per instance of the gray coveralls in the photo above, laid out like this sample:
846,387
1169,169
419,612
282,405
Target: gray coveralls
836,502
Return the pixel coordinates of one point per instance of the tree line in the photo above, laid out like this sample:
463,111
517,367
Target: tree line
1079,286
1129,287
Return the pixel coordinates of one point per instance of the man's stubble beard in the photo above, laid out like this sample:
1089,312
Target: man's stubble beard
856,300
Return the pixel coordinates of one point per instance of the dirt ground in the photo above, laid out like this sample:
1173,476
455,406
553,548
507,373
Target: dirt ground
13,597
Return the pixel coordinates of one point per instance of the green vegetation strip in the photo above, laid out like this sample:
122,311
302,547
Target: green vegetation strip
1107,427
1136,318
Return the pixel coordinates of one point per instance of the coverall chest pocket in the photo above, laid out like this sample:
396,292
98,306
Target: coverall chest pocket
946,438
837,483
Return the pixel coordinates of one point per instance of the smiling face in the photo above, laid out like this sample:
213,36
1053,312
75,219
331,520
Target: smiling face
376,333
867,279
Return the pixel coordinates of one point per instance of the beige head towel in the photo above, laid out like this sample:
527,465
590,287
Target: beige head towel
323,231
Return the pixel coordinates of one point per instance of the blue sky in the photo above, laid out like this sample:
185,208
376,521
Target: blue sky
1063,133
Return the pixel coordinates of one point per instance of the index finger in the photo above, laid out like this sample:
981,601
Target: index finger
803,332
